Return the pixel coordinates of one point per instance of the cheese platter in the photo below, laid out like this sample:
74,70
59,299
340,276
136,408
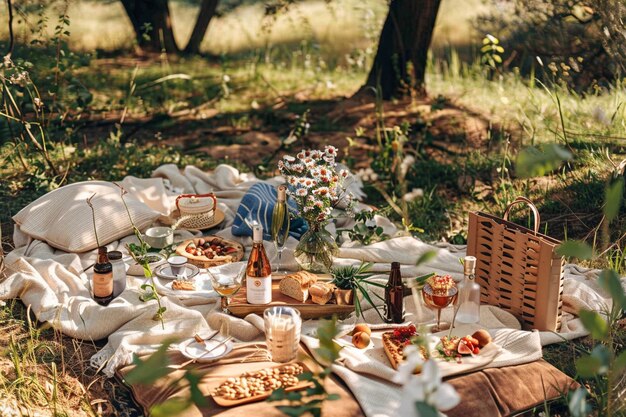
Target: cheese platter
209,251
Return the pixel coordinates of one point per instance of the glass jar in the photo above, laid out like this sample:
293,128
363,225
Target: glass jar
119,272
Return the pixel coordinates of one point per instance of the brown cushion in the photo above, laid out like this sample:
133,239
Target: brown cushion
510,390
491,392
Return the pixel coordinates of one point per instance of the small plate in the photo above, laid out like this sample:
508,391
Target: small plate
198,351
203,288
165,271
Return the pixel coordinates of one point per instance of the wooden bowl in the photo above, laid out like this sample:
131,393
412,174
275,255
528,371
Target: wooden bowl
205,262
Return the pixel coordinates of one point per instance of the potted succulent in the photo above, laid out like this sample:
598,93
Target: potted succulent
349,279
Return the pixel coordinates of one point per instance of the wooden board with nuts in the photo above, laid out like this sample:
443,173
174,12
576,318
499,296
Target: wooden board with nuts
258,385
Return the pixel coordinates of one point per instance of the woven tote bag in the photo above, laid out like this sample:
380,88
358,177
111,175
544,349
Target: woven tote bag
197,211
518,269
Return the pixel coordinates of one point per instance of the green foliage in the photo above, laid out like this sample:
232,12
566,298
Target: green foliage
613,199
533,162
346,277
491,52
363,233
575,249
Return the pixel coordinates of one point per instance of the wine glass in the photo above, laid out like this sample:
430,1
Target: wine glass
438,300
227,280
280,232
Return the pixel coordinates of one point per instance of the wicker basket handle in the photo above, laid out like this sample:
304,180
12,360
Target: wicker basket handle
210,195
530,204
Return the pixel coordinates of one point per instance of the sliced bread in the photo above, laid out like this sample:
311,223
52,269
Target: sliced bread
297,285
321,292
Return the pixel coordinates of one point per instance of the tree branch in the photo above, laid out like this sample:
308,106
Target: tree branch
11,36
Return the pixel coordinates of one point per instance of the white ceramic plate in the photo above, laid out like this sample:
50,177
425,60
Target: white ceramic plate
202,284
199,351
165,271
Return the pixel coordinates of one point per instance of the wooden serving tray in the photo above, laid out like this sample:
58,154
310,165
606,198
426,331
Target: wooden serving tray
239,307
221,401
203,261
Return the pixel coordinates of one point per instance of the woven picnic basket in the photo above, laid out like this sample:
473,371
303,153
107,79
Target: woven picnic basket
518,269
197,211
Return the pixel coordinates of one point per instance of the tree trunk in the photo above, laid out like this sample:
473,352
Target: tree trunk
152,23
206,13
405,38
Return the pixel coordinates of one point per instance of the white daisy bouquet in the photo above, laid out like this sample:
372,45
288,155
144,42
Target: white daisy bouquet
314,182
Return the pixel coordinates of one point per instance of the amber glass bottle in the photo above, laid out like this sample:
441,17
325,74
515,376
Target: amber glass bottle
394,296
258,271
102,281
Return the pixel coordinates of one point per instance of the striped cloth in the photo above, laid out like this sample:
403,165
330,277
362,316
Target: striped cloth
258,205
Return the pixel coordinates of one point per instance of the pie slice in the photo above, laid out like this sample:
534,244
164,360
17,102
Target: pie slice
394,343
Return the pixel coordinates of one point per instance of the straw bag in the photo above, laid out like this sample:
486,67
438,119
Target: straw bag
518,269
197,211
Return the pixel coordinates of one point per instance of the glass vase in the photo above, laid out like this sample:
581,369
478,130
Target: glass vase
316,249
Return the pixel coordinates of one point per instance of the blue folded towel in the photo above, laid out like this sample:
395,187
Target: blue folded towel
259,201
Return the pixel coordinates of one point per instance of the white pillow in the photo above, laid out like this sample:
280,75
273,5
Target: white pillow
63,219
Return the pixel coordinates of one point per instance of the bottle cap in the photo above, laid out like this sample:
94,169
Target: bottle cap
282,193
257,233
395,265
114,255
469,264
102,250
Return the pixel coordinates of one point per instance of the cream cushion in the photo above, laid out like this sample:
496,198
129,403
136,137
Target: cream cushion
64,220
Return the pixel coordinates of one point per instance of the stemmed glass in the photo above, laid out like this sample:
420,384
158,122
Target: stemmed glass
227,280
280,226
438,300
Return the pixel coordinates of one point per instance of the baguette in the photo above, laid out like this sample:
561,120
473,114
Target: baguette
297,285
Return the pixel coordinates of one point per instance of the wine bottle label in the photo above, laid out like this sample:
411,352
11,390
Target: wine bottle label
259,289
102,284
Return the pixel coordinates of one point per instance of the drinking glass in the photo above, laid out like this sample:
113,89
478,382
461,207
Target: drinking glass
280,233
282,332
439,300
227,280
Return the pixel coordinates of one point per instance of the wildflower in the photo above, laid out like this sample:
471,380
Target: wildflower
415,193
343,173
302,192
406,165
300,155
426,388
289,158
322,191
330,151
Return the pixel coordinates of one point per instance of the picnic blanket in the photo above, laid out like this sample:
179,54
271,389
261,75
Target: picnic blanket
53,283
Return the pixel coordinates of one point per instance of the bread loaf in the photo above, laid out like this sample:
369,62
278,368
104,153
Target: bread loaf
321,292
297,285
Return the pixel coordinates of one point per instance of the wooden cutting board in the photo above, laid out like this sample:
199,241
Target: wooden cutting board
239,307
231,403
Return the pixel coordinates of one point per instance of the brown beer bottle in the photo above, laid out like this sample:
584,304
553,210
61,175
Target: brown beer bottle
394,296
102,281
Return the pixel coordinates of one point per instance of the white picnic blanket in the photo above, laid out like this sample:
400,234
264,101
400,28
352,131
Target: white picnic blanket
55,287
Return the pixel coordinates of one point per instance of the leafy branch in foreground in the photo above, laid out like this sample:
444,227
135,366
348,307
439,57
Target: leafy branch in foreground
312,399
150,291
155,367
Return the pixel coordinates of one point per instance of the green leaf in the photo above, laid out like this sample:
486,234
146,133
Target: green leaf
588,366
536,162
333,397
197,396
575,249
620,362
154,367
610,282
426,257
425,410
497,59
594,323
577,403
613,199
171,407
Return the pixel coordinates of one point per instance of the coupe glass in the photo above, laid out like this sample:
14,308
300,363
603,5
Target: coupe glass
226,281
439,300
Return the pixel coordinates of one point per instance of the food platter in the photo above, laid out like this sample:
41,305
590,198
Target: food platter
230,251
239,307
225,402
